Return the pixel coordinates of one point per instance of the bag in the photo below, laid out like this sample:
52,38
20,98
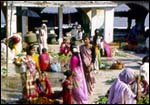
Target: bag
55,67
23,68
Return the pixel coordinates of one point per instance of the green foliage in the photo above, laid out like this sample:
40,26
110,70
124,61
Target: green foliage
105,65
121,54
102,100
111,80
3,101
3,72
143,100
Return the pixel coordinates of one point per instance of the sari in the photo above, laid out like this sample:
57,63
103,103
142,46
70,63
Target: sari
67,92
31,75
79,91
120,91
97,62
64,48
87,59
44,62
107,49
43,86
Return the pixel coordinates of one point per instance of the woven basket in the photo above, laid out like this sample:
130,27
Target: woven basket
30,38
116,66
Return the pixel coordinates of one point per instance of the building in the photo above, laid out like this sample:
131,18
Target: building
94,14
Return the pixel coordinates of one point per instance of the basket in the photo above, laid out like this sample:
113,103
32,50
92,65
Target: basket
117,66
31,37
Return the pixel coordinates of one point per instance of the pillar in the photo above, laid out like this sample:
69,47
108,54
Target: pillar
24,24
97,20
108,25
12,26
60,13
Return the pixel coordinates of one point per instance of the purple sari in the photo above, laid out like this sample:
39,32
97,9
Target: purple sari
120,92
86,55
79,90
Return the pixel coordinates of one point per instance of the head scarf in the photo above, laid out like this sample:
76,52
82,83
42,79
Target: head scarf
120,93
127,75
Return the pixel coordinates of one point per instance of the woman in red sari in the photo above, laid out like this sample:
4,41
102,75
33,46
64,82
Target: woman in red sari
67,88
65,47
44,60
43,86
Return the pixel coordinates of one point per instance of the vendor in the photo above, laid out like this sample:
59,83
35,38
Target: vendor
13,41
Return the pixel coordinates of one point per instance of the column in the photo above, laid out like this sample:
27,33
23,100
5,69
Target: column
109,22
12,21
24,24
97,20
60,13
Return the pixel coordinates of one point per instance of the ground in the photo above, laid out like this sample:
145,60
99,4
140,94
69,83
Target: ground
11,85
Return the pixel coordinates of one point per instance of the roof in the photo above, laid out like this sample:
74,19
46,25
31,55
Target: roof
80,4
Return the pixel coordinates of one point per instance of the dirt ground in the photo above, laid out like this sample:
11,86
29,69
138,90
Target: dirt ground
11,85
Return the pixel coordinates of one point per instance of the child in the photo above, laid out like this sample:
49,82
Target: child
67,88
145,85
144,69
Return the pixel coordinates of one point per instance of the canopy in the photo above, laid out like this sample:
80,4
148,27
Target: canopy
3,21
27,12
54,10
122,7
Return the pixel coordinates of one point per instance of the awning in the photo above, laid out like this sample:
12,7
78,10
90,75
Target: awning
54,10
3,21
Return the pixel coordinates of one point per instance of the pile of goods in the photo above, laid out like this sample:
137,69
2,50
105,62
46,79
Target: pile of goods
31,37
102,100
42,100
144,100
3,72
117,65
105,65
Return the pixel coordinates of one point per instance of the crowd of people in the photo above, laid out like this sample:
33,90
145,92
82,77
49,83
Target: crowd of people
80,79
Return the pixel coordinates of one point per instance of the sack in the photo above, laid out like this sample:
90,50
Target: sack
23,68
55,67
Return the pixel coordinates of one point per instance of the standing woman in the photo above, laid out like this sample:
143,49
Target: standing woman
79,90
96,45
31,74
88,58
43,37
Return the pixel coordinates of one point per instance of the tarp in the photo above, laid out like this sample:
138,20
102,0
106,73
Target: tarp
3,21
54,10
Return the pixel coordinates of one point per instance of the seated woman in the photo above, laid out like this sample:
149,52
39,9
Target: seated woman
120,92
44,60
43,86
65,47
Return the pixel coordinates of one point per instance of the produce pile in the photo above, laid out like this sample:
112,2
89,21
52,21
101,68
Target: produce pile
144,100
102,100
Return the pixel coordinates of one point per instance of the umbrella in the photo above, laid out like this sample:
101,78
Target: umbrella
54,10
28,13
122,7
146,23
3,22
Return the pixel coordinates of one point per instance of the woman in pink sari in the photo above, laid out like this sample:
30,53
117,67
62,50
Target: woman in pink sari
120,92
79,90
